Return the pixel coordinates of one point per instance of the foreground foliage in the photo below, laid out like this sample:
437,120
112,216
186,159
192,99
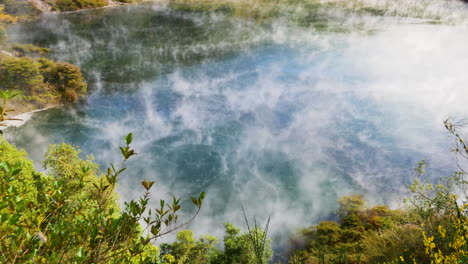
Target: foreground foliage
71,215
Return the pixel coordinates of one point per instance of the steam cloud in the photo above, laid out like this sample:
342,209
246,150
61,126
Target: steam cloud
282,118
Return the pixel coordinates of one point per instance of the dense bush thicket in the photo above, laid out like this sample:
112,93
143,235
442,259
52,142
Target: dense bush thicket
71,214
432,228
43,82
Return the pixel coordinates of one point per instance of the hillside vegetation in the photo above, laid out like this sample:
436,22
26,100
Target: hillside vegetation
43,82
22,67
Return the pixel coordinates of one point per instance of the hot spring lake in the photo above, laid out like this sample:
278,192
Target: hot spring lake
282,117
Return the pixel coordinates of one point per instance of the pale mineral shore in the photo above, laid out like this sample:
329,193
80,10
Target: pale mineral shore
24,117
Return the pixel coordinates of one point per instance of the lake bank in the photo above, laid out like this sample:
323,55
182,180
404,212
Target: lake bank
24,117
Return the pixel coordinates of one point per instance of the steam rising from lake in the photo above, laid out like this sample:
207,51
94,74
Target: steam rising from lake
281,117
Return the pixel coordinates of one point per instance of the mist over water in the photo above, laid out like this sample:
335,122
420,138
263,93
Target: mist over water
281,117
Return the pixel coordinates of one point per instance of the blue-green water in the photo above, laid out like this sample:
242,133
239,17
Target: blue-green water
280,117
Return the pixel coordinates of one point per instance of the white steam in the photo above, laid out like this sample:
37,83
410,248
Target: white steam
286,119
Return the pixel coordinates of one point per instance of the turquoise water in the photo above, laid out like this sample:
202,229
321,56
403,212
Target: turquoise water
282,118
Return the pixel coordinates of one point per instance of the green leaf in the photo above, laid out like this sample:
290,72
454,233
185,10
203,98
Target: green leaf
80,253
15,172
129,138
85,169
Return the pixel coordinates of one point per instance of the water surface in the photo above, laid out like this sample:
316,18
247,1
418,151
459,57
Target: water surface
284,118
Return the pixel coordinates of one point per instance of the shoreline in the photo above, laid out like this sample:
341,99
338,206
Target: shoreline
25,117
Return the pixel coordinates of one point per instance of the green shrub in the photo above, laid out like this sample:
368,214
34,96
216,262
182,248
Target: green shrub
73,5
38,77
20,74
187,250
25,180
344,241
238,248
72,215
66,78
389,245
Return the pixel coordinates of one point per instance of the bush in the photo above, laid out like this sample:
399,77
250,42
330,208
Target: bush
42,81
238,248
344,241
73,5
70,96
72,216
20,74
389,245
66,78
25,180
38,77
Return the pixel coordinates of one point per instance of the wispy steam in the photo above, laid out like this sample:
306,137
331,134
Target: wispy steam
282,118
